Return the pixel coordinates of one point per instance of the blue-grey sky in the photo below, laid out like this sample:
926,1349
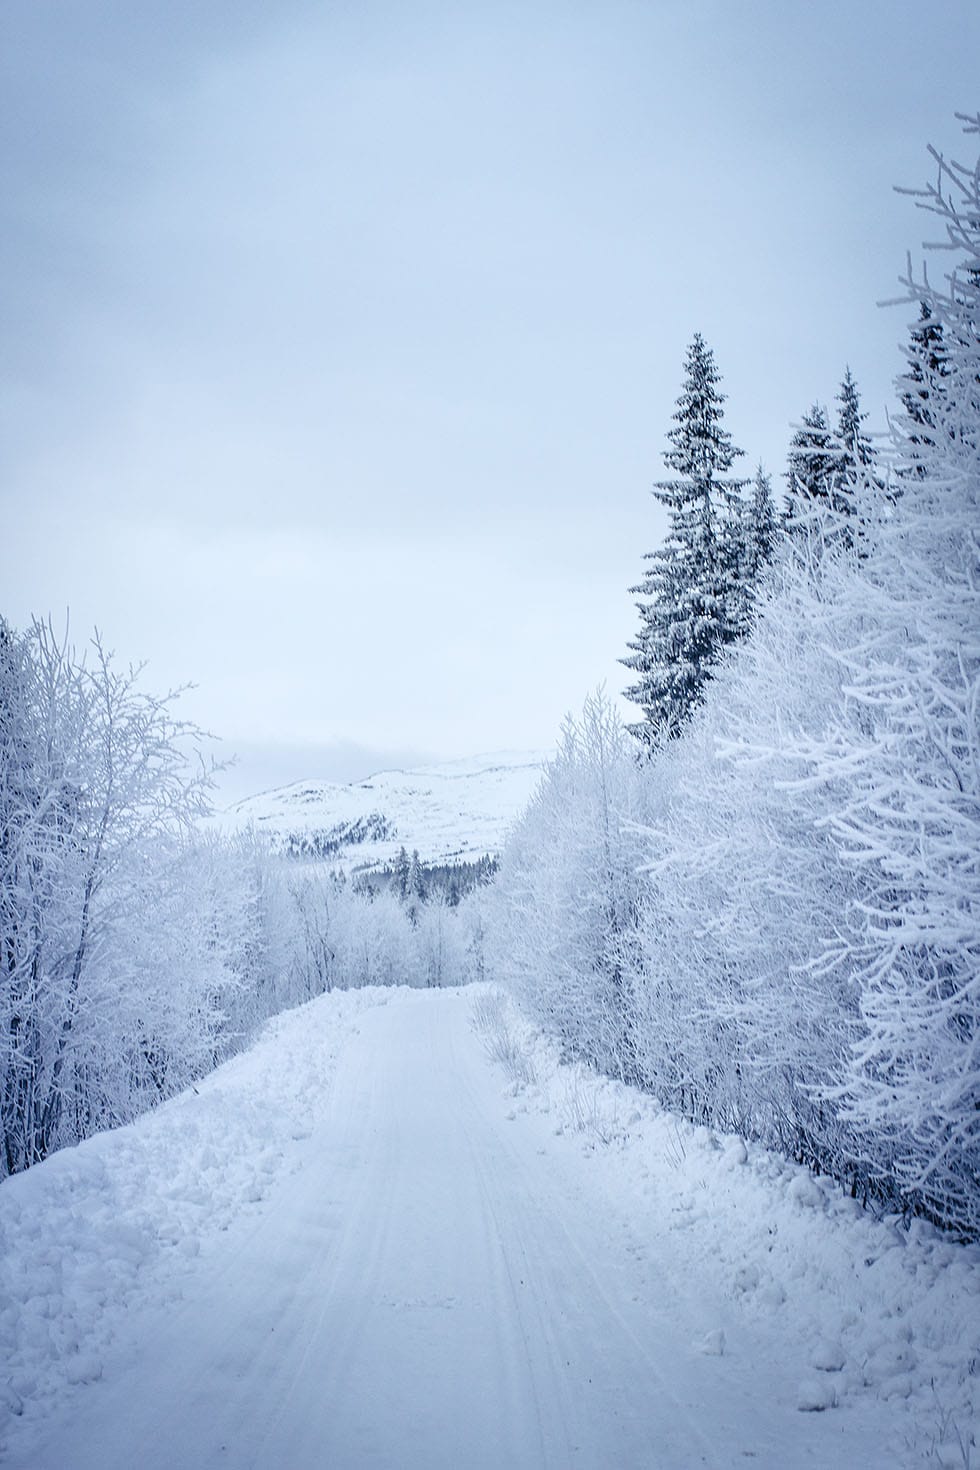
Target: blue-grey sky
340,341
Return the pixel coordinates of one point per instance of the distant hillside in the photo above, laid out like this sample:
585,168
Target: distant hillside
451,813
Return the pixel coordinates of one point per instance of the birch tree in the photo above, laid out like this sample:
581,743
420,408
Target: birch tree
94,787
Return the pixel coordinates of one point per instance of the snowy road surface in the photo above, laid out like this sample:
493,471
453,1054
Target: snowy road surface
439,1281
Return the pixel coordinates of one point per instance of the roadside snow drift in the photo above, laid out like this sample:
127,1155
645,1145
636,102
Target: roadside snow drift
100,1232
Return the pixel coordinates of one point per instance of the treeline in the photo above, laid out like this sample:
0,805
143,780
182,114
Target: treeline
355,934
317,845
137,952
416,881
767,912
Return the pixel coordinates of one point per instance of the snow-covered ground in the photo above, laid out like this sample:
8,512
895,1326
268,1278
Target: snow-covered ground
397,1233
858,1316
457,811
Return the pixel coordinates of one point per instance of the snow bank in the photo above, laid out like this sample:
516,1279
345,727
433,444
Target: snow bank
883,1311
108,1227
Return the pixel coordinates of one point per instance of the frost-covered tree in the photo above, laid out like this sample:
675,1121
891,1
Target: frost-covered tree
925,371
803,961
753,540
857,449
442,943
563,911
908,758
856,468
812,954
825,465
416,889
96,799
811,466
314,957
736,1027
691,603
403,870
764,527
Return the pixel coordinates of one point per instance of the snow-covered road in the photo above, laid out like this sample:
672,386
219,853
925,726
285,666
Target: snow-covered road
439,1281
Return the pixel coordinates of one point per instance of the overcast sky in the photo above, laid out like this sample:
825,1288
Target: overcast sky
340,340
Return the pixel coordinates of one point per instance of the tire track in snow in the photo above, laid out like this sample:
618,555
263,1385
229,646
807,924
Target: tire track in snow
576,1319
441,1285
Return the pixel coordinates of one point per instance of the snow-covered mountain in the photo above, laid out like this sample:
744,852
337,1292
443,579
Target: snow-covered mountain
455,812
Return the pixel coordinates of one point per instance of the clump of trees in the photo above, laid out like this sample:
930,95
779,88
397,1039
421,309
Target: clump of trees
772,918
366,933
96,804
761,901
565,909
136,950
416,881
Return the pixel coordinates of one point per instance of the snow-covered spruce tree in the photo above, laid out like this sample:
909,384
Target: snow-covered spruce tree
402,873
857,452
811,467
415,887
763,528
561,916
692,605
825,467
753,539
925,355
906,754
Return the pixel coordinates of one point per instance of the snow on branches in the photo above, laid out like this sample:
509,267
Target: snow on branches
803,955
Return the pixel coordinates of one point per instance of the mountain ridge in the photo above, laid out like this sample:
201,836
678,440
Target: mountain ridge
456,811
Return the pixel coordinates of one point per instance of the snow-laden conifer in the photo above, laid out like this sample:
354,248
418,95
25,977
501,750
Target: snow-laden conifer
804,949
925,354
856,447
691,603
811,466
753,542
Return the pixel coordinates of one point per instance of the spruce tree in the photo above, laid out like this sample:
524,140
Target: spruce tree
855,465
824,466
811,466
760,531
691,596
924,380
416,877
415,887
402,869
749,534
858,452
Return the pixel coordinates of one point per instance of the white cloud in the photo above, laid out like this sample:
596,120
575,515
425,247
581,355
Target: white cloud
342,344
